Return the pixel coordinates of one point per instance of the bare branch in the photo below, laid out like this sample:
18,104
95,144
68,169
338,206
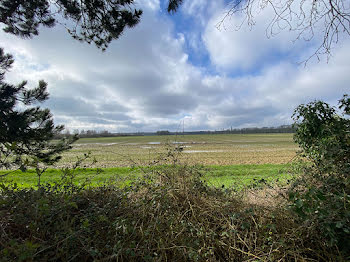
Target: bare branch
330,18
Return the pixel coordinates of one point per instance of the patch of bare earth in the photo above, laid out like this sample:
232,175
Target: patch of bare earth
268,197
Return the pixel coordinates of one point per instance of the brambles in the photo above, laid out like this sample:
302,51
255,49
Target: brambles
321,197
170,214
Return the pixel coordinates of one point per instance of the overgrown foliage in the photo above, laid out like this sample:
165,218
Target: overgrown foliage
168,215
321,197
26,130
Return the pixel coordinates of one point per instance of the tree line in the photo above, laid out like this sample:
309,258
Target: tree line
249,130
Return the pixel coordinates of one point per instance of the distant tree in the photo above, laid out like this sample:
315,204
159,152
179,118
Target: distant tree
26,130
331,17
90,133
97,21
163,132
105,133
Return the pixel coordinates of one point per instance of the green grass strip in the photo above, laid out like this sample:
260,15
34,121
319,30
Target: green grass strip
245,175
218,176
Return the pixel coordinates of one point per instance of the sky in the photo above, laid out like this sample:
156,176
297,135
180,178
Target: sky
175,70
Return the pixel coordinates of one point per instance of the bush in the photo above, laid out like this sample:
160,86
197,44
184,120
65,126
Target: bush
321,197
169,215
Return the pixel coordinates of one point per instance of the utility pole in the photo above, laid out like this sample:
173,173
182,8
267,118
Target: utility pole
183,127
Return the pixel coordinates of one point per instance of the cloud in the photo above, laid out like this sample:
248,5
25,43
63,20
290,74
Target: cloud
140,73
146,80
235,43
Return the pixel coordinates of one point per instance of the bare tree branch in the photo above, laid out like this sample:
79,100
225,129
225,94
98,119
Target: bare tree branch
330,18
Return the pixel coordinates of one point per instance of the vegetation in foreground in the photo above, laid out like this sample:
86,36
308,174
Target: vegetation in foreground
171,215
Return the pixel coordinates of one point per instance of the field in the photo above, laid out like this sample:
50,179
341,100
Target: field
225,160
230,149
236,176
226,203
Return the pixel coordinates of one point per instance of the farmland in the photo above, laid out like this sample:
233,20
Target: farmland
236,176
135,194
227,149
225,160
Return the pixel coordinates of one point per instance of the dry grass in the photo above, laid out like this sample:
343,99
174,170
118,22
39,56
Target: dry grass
199,149
267,197
170,215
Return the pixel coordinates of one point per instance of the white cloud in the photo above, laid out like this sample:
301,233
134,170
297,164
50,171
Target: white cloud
145,81
145,73
236,44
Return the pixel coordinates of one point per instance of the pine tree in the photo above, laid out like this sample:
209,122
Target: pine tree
26,130
91,21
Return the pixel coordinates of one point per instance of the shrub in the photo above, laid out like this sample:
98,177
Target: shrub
169,215
321,197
